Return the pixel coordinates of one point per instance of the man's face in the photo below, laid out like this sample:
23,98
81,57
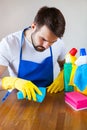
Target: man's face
42,38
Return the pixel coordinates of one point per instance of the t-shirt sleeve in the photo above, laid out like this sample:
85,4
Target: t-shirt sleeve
4,53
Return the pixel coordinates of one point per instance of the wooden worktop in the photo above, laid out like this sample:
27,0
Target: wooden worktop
52,114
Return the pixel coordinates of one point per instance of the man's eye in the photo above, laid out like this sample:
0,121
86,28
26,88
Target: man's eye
43,39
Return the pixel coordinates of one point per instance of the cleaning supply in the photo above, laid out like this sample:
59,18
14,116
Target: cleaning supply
76,100
73,71
67,73
80,78
6,95
39,98
82,58
70,56
70,59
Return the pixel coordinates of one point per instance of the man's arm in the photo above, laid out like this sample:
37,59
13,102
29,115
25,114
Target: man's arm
3,72
61,64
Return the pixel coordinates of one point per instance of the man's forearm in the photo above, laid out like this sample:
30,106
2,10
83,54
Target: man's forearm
61,64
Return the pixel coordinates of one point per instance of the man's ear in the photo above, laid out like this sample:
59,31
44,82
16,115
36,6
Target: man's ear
33,26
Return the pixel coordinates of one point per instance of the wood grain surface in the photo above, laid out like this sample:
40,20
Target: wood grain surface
52,114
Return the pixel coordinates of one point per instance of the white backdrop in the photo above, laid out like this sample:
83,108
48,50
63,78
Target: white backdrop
18,14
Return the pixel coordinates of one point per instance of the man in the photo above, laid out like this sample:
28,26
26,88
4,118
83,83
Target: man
31,54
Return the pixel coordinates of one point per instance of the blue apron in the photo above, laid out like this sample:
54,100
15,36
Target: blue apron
41,74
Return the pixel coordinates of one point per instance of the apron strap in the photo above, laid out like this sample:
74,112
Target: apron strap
22,41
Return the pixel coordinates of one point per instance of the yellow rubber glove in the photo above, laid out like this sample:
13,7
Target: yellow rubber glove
57,85
26,87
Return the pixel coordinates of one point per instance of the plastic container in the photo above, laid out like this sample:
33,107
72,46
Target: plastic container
69,60
70,57
82,58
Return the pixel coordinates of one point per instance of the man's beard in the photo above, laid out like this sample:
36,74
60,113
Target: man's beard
37,48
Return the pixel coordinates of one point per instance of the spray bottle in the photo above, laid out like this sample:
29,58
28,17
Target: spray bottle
82,58
70,59
70,56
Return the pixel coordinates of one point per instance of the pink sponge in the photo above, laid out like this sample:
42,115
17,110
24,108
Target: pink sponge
76,100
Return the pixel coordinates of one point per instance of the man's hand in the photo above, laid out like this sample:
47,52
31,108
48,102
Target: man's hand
57,85
26,87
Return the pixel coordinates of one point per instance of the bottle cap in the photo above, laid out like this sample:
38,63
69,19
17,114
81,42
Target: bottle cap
82,52
73,51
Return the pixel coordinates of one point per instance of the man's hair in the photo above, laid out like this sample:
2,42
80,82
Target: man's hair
52,18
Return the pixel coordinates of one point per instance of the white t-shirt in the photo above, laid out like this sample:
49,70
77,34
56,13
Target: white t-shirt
10,52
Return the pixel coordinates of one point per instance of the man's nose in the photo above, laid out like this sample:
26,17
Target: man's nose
46,44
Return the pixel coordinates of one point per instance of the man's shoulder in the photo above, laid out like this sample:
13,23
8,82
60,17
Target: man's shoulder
15,34
12,37
11,40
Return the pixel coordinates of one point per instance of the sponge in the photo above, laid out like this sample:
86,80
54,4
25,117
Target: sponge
76,100
40,98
